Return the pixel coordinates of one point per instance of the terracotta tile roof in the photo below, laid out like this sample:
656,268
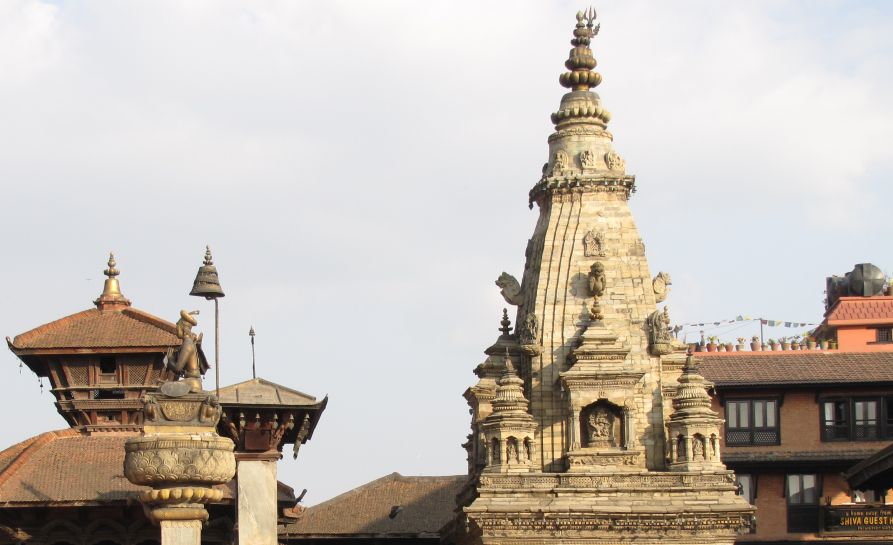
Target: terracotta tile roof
94,328
427,503
861,311
797,367
67,467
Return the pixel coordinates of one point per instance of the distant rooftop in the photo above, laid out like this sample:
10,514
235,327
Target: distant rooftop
258,391
861,311
809,367
392,506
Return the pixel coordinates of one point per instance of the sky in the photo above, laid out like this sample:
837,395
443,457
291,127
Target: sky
361,169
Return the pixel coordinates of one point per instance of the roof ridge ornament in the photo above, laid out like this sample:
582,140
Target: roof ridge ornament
111,272
111,296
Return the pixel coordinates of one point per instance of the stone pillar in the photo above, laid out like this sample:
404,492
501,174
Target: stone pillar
181,457
257,506
181,532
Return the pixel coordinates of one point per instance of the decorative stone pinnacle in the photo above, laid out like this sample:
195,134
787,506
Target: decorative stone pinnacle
580,61
509,393
691,395
595,311
505,323
111,272
208,261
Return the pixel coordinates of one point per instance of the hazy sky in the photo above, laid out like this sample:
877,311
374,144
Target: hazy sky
361,171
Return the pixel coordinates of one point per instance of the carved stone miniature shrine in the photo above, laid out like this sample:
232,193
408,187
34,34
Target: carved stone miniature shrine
577,435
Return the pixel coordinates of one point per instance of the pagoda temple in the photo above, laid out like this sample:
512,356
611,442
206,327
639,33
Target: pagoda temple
104,365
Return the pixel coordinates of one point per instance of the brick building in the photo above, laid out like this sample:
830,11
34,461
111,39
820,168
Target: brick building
796,421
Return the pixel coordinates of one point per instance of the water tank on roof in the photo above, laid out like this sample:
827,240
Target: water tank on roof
865,280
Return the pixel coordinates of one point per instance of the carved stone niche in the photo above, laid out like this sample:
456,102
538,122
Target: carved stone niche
605,431
601,425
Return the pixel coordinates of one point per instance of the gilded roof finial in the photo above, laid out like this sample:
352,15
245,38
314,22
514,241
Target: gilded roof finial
111,272
111,291
580,61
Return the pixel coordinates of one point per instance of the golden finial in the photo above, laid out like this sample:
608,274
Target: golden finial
111,272
111,291
580,61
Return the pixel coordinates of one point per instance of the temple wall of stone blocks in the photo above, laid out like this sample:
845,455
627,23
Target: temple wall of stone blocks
556,290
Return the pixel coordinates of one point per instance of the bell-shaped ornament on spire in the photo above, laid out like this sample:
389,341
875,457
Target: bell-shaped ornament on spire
207,283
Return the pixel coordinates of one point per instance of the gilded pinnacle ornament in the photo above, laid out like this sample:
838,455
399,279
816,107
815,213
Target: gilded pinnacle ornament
580,61
111,295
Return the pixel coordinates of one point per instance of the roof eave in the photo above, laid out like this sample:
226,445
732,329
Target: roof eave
800,385
74,350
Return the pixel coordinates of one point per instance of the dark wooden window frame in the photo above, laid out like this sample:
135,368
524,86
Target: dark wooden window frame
803,516
753,499
846,427
751,435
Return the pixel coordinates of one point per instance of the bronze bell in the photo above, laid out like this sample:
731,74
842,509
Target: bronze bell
207,284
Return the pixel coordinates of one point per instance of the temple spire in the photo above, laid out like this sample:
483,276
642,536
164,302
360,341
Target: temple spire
580,62
111,295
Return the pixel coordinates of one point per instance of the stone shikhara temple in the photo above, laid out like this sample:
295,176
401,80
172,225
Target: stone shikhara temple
590,423
578,434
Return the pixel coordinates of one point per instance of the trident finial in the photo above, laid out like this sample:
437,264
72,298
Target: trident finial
111,272
590,16
581,62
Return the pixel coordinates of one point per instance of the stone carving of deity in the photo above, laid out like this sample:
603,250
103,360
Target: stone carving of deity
657,325
614,161
587,159
560,163
593,244
600,427
697,448
511,451
530,329
597,281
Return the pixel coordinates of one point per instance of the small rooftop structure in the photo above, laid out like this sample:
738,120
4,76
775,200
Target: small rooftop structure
101,361
262,416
